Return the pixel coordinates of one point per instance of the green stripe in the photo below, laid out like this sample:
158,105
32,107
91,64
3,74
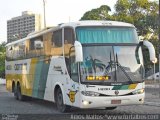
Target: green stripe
43,80
37,78
116,87
120,87
40,78
124,87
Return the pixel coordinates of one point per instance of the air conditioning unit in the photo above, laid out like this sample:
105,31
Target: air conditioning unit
38,44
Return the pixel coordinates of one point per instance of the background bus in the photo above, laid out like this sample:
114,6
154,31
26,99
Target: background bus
86,64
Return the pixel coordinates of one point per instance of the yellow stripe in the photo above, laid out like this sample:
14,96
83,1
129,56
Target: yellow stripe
132,86
30,77
26,80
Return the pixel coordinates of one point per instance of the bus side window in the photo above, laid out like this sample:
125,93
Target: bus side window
57,43
47,43
22,50
16,52
69,35
9,53
35,51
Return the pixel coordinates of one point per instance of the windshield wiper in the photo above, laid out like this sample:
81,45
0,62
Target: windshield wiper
115,64
111,64
119,65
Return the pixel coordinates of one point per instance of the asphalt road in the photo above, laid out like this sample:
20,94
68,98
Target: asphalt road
11,109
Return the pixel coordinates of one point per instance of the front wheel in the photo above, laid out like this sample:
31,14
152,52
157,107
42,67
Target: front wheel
60,103
15,92
19,94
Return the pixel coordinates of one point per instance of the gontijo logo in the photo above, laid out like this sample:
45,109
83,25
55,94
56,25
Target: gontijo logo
22,66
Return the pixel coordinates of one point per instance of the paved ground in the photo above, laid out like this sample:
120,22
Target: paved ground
12,109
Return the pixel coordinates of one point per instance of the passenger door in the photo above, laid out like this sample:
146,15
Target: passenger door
74,76
71,66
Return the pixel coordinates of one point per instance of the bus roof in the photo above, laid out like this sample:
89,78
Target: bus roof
74,24
97,23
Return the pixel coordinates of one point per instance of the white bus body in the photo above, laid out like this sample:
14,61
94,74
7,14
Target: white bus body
86,64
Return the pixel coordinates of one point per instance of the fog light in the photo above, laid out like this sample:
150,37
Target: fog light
86,102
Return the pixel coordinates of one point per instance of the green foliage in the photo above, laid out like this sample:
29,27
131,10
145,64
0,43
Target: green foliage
97,14
2,60
142,13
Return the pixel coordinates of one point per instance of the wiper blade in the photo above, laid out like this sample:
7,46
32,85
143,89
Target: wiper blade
111,64
119,65
115,64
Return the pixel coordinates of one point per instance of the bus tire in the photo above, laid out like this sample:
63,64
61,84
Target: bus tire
110,108
19,94
59,102
15,92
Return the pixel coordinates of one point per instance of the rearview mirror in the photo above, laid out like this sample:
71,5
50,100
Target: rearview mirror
78,51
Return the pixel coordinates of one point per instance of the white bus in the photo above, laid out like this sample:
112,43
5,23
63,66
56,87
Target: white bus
85,64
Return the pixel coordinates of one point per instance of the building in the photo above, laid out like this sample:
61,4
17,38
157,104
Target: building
19,27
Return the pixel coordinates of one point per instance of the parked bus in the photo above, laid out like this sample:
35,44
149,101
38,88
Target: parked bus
85,64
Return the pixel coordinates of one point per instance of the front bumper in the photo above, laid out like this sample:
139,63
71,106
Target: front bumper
100,102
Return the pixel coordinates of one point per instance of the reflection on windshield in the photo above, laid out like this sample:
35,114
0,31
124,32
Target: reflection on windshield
117,63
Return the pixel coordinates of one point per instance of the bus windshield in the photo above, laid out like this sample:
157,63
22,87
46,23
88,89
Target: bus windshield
111,64
106,35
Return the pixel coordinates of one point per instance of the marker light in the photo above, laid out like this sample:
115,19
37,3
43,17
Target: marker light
140,91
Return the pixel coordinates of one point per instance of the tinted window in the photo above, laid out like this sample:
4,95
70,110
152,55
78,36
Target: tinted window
69,35
57,38
56,49
32,42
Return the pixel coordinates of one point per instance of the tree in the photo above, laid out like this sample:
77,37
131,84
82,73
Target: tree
2,60
98,13
142,13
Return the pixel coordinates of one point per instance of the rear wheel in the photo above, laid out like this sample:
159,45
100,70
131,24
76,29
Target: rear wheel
60,103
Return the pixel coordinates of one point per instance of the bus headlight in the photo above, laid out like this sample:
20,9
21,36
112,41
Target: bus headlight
90,93
85,103
140,91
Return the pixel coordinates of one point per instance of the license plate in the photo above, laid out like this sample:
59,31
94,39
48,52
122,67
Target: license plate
115,101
